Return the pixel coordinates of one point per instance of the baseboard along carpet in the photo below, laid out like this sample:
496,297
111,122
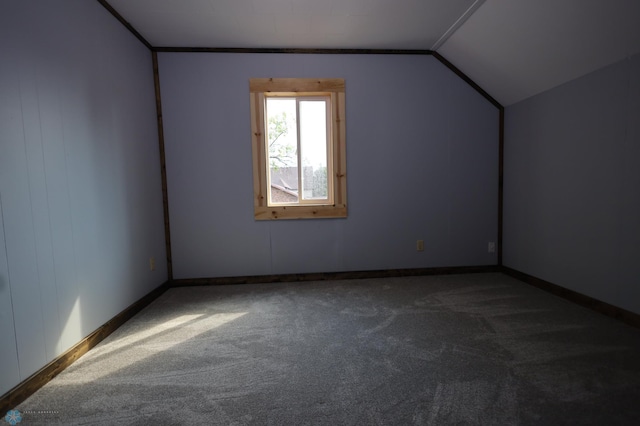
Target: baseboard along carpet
455,349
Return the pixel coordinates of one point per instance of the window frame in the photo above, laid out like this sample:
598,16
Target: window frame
259,90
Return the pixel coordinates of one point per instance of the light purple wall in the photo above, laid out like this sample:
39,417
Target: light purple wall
80,191
572,185
422,163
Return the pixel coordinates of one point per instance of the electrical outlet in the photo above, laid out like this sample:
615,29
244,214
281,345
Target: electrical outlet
152,263
420,245
491,248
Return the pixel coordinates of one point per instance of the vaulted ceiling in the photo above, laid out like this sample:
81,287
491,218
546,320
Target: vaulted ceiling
513,49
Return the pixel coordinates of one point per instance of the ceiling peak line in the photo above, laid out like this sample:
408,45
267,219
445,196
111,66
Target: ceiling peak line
457,24
294,50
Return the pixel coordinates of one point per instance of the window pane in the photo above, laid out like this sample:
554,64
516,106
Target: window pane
313,149
282,150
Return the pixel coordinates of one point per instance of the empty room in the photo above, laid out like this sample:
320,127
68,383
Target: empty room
319,212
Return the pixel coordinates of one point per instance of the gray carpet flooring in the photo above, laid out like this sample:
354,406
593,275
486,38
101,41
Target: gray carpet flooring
458,349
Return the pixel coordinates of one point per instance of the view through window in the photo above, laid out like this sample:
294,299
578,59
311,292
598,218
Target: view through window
298,150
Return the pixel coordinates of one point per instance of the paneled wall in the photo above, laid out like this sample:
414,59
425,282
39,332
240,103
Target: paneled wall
80,191
572,185
422,163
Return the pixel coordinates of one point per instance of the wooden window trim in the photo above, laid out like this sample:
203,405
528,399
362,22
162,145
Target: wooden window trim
298,86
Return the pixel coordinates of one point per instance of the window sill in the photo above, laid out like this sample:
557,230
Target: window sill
300,212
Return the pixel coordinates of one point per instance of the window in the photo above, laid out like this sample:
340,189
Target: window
298,144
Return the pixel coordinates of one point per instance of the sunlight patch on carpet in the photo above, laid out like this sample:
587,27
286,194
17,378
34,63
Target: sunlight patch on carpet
114,356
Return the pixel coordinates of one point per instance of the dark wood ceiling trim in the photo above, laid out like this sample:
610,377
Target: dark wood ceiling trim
163,165
500,181
467,79
125,23
295,50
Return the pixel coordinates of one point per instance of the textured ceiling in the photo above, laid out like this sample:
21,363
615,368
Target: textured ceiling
371,24
513,49
516,49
